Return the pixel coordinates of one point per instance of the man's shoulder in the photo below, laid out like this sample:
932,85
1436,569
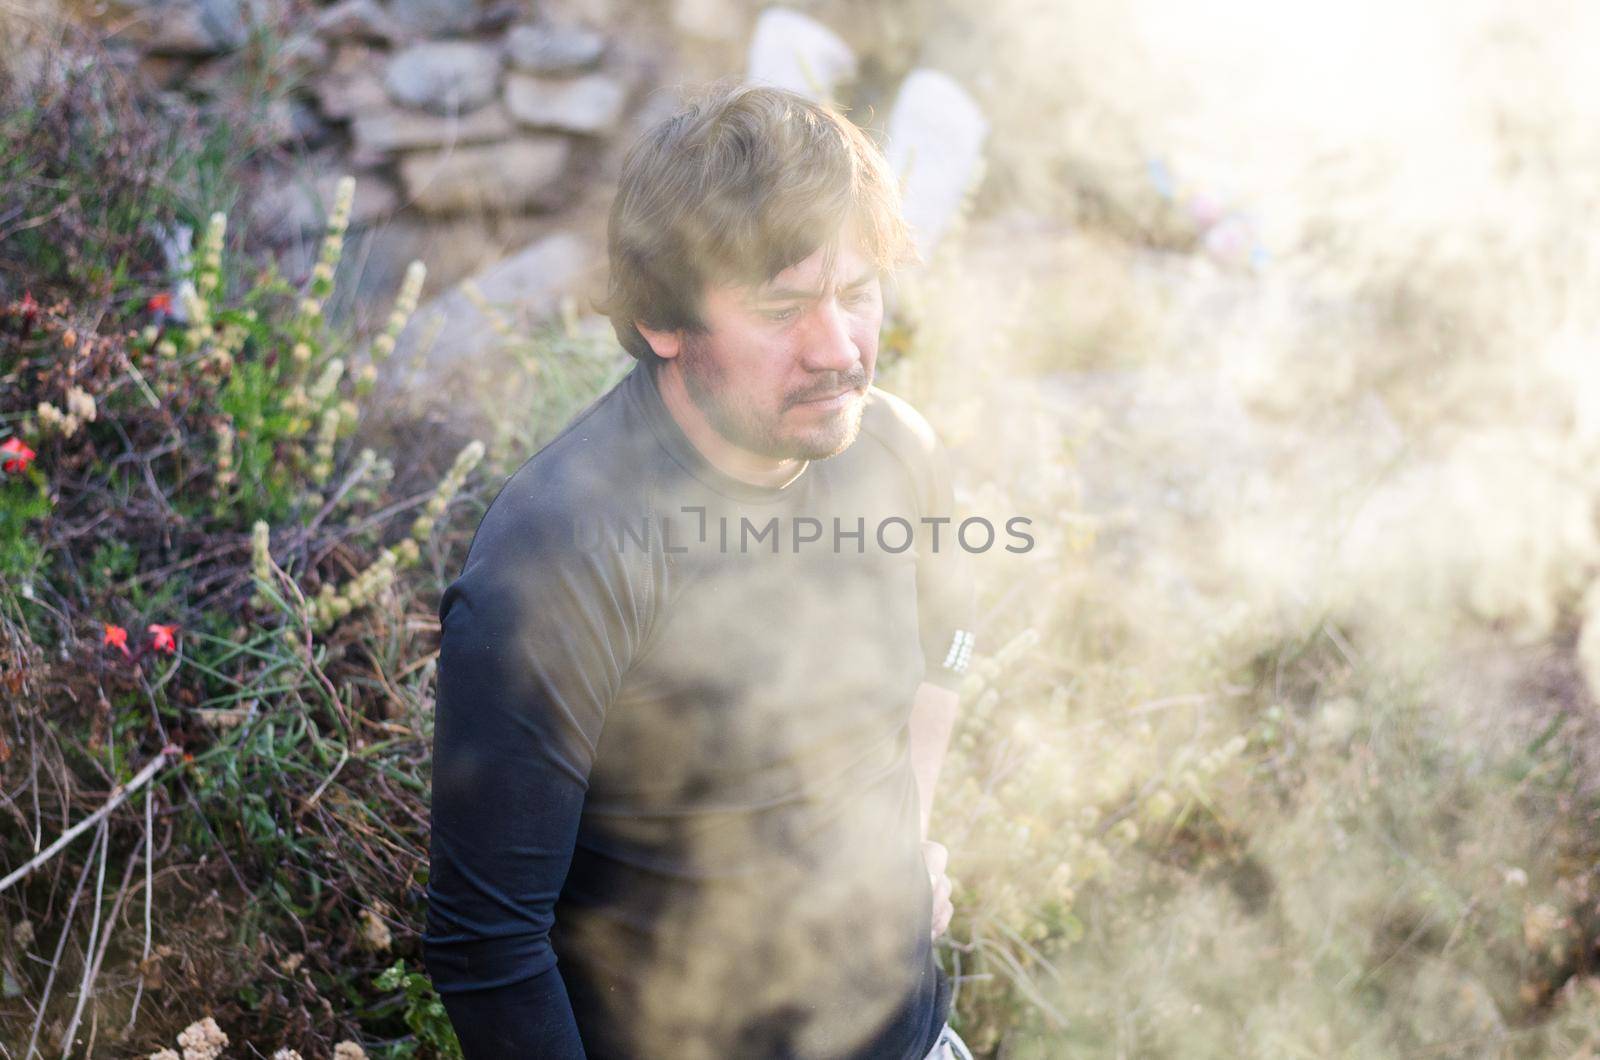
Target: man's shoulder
897,425
595,466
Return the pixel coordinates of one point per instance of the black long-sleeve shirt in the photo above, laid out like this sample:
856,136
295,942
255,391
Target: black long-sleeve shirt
673,809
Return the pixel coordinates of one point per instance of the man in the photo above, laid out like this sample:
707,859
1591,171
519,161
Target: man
696,677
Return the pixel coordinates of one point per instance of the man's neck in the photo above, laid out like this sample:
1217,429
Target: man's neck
722,454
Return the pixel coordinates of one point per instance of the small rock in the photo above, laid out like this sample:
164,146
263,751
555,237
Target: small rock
392,129
358,20
196,27
352,83
590,104
547,49
304,55
201,27
511,175
376,197
306,124
166,71
444,76
279,122
297,204
723,21
215,77
432,17
497,18
529,283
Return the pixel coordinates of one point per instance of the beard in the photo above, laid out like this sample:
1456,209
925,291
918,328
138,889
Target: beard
738,419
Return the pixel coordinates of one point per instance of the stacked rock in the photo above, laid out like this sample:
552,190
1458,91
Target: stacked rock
483,121
445,106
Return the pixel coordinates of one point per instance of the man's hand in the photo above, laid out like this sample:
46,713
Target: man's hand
937,857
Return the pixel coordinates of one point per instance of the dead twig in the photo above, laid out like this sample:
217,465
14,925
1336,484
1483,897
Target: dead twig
55,962
91,948
149,887
116,799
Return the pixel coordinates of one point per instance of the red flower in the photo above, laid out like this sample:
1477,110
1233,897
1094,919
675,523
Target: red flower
30,308
117,637
159,303
164,638
18,455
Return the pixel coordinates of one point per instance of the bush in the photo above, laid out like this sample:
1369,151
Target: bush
99,175
207,569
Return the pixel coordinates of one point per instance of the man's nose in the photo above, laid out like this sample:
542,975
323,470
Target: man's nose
830,347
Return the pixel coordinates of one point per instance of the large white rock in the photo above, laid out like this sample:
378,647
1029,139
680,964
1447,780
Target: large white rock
511,175
936,136
795,51
444,76
590,104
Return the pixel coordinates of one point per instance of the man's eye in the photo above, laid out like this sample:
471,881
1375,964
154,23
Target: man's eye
778,316
860,296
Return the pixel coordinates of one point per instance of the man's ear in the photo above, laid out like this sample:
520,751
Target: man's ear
666,344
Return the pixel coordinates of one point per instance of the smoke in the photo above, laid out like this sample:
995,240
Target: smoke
1280,323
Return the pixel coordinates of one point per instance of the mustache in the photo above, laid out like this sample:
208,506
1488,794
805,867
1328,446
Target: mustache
856,379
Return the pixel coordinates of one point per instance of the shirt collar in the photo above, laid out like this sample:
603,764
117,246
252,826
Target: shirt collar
647,393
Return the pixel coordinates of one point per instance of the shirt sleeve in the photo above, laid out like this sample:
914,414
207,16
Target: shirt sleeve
536,634
946,592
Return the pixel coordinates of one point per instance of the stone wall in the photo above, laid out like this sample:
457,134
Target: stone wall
484,135
473,128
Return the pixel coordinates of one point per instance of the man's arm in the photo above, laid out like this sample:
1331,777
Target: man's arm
933,715
535,637
946,614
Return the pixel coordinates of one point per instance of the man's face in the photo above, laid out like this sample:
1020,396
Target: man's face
783,368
